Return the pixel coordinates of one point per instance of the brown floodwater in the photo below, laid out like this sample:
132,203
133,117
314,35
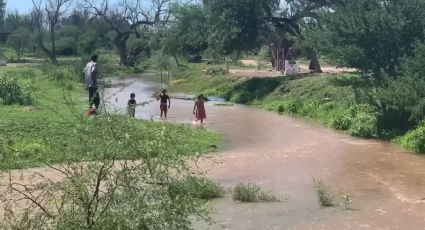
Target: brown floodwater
283,154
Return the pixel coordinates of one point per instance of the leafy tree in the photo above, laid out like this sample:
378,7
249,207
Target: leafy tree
187,34
2,14
66,46
235,25
290,18
264,57
373,35
19,40
244,25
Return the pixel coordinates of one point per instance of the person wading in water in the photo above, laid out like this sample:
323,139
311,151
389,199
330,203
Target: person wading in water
163,106
199,109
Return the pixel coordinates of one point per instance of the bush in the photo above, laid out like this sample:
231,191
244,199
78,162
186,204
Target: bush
198,187
241,97
12,91
364,122
280,109
359,120
414,140
340,121
102,192
250,193
66,46
324,193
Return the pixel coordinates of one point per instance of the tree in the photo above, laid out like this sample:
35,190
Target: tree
19,40
49,13
235,25
374,35
2,14
127,19
187,33
290,16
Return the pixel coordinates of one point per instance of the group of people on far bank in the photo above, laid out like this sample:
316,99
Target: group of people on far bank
91,76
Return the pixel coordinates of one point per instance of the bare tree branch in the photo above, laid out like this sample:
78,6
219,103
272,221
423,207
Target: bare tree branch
128,18
52,12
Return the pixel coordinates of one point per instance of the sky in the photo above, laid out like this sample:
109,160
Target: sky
25,6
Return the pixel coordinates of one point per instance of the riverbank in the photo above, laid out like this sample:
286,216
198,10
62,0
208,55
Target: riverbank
46,108
348,102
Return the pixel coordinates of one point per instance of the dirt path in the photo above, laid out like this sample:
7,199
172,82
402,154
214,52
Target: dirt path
283,154
251,73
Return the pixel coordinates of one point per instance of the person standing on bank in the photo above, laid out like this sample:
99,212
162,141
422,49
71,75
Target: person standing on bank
91,74
163,106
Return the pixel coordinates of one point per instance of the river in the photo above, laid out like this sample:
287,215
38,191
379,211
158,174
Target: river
284,154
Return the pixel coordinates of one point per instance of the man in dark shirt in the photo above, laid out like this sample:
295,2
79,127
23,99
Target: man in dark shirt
163,106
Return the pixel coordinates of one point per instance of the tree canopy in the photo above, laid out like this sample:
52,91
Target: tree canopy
372,35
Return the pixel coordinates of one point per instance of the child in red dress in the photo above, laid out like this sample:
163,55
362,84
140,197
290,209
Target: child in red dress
199,109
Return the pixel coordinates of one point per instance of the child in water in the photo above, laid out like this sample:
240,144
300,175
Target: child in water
131,105
199,109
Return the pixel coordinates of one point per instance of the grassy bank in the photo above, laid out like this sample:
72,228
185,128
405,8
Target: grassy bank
349,102
42,122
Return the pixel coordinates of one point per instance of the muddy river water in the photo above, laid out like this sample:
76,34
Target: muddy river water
284,154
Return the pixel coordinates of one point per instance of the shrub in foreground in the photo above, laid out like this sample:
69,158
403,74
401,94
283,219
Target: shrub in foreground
251,193
12,91
324,193
198,187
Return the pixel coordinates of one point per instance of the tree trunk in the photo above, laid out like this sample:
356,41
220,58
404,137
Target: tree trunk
176,59
314,61
273,56
277,45
120,43
52,53
49,53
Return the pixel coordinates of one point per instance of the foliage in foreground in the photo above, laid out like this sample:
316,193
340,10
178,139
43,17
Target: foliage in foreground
134,193
105,172
13,91
247,192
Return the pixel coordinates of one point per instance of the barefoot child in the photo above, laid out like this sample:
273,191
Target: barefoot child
199,109
131,105
163,106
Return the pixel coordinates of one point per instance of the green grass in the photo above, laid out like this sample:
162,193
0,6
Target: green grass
54,125
247,192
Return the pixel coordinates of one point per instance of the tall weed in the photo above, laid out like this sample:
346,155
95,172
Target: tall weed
13,91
